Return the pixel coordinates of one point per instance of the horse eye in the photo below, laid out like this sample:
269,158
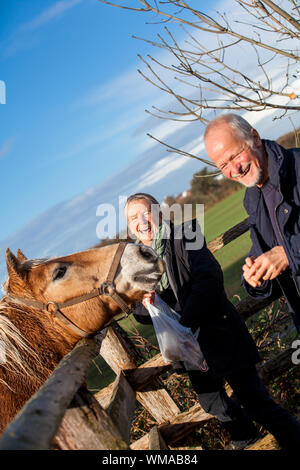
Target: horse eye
59,273
145,253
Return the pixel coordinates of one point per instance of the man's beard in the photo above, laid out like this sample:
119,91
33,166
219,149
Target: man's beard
259,173
257,180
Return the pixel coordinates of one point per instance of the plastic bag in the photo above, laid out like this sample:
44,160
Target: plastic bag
176,342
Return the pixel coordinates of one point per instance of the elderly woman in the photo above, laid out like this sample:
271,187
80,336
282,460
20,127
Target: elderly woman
193,286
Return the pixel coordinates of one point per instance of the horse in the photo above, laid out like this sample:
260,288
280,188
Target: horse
49,304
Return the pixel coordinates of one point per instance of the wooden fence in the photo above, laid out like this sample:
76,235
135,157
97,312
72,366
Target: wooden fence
65,415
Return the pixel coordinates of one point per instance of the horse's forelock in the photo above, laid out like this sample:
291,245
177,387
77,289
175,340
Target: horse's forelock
30,264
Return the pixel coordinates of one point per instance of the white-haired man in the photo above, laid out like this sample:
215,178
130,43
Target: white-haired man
272,200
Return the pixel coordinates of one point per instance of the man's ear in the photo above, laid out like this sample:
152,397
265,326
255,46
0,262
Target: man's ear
256,138
21,256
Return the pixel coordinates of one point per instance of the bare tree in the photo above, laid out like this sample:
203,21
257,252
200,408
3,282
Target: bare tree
202,72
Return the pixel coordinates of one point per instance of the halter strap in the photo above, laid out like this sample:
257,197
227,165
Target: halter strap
106,289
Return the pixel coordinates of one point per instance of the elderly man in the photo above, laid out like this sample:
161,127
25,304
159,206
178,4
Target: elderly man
272,200
193,286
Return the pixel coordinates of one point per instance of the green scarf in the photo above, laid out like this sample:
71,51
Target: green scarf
159,245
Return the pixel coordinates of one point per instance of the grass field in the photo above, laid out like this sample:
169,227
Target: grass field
217,220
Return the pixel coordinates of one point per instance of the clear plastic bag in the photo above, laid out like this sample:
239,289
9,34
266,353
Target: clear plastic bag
176,342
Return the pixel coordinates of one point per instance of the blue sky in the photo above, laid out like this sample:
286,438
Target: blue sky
75,108
74,100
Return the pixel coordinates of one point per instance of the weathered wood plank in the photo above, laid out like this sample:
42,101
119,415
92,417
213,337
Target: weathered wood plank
36,424
157,401
156,441
144,374
86,426
115,352
184,423
228,236
122,406
153,397
277,365
249,306
178,428
104,395
141,444
266,443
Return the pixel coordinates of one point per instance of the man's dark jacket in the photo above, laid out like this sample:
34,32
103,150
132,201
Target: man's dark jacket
197,287
284,174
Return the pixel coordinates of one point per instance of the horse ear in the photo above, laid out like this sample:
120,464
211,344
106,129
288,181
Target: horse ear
12,263
21,256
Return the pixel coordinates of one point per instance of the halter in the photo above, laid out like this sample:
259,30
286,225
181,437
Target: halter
106,288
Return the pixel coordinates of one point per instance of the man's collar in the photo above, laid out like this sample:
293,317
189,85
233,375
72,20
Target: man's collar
276,169
276,161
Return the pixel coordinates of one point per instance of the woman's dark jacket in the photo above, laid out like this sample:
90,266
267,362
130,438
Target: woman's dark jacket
197,293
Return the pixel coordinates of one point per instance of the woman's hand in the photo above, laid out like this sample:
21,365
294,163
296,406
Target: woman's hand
150,296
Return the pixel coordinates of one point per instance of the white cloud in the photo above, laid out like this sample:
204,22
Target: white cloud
17,40
125,88
97,138
55,11
6,147
160,170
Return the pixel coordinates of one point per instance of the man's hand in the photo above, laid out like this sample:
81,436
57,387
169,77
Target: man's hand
249,262
265,267
150,296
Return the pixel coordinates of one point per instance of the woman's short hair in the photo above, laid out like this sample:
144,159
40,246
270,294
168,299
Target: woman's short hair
138,196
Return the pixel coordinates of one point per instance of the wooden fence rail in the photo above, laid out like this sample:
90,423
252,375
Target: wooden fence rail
63,417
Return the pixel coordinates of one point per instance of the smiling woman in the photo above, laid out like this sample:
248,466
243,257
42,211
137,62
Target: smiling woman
143,216
193,286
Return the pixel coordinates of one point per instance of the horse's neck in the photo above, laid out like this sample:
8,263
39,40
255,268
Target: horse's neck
45,335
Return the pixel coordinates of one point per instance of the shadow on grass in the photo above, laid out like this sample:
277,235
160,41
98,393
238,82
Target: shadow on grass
232,280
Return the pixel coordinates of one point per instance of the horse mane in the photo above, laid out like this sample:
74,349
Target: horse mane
13,345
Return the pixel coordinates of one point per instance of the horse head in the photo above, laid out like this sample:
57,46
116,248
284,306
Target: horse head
58,281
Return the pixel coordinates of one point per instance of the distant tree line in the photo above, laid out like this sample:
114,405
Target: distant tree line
208,190
205,189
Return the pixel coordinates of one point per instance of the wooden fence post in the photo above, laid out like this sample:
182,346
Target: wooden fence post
122,406
37,423
154,398
86,426
156,441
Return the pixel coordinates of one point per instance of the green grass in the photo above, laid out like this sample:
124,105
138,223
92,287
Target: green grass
217,220
224,215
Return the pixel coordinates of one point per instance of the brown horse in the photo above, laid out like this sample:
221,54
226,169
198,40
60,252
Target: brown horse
32,340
